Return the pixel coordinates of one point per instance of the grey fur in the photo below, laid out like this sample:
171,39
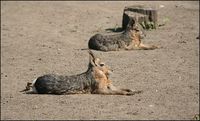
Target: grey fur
117,41
59,84
87,82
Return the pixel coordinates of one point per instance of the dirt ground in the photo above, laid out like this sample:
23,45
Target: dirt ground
46,37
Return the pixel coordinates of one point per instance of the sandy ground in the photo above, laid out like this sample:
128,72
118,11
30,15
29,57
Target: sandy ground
45,37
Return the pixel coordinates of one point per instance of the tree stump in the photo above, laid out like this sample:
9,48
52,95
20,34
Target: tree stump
145,16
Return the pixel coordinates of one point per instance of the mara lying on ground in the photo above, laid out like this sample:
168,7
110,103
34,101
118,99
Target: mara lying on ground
95,80
130,39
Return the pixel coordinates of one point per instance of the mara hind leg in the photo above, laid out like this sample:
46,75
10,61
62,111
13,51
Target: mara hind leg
139,45
127,91
106,88
129,47
124,46
147,47
109,89
103,48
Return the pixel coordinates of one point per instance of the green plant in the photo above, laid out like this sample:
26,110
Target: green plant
148,25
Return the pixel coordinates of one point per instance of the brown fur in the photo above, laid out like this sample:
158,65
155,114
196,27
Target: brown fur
130,39
95,80
136,40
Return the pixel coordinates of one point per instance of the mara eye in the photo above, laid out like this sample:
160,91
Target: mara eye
102,64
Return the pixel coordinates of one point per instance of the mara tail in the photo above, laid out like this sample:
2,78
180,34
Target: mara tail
30,87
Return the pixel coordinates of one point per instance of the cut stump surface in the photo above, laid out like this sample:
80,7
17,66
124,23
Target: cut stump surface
143,14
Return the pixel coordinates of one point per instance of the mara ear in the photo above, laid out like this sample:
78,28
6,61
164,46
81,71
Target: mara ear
134,24
130,24
136,18
91,58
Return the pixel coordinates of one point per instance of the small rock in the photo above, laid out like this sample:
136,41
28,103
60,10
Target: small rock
44,113
40,59
151,112
151,105
132,113
161,6
182,41
155,70
179,78
73,31
154,59
35,107
162,24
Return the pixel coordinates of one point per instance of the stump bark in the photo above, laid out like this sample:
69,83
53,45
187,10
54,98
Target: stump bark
144,14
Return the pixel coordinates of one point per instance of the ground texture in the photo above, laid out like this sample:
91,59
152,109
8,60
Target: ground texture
46,37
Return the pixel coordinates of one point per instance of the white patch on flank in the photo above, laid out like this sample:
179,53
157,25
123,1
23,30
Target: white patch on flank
33,86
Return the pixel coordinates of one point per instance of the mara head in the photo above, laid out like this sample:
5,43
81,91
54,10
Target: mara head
97,64
135,28
133,23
